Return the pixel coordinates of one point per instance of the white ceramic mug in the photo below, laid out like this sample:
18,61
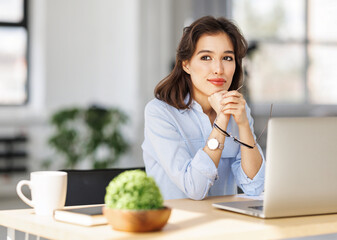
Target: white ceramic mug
49,190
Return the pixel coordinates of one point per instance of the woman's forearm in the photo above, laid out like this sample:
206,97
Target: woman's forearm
251,159
215,155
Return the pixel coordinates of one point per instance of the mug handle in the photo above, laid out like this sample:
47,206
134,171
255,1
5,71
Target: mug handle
21,195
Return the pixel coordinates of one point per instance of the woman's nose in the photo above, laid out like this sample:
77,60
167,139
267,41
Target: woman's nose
218,67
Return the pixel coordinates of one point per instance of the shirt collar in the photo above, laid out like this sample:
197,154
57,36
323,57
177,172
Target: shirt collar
194,105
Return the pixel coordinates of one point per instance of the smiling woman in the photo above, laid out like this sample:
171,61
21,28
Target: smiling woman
213,60
182,150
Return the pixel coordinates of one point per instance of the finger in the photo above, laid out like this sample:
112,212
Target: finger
233,94
217,95
230,106
230,112
220,93
234,112
228,100
240,101
232,99
233,106
223,92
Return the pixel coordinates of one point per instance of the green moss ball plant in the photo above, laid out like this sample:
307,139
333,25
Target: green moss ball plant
133,190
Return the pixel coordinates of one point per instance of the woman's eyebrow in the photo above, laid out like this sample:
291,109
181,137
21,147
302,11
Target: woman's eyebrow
209,51
229,51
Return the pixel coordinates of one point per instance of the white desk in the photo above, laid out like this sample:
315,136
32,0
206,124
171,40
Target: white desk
189,220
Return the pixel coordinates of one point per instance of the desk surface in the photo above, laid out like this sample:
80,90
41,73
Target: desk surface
189,219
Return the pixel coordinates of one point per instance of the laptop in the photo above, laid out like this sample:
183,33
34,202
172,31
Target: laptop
301,170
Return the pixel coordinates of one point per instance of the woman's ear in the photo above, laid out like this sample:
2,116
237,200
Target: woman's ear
185,65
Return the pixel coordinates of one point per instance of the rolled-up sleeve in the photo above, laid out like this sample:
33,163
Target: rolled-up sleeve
249,186
193,175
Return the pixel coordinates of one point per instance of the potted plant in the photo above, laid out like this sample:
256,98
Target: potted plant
133,203
92,133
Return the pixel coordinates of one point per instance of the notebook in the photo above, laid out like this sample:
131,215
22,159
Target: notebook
89,215
301,170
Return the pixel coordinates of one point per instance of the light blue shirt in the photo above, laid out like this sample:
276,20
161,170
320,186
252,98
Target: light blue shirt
173,154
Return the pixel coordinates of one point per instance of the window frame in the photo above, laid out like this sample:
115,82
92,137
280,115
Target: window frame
22,24
296,109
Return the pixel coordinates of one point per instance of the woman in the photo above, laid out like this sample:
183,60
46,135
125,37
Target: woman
189,146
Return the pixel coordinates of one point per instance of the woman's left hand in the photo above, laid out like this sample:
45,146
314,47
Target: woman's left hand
234,104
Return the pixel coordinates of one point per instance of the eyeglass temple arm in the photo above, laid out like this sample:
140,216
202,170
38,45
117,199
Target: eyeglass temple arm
270,113
244,144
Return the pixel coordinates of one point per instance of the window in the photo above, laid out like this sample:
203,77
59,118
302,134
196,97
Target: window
294,62
13,52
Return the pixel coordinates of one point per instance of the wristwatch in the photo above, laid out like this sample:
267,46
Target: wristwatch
214,144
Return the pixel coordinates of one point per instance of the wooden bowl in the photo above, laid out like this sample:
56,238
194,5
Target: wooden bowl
137,220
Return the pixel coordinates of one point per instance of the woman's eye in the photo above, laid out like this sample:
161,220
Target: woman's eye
228,58
205,58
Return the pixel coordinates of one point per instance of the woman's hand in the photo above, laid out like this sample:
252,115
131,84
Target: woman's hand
215,101
234,104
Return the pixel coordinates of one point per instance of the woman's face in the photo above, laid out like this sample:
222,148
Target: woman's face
212,65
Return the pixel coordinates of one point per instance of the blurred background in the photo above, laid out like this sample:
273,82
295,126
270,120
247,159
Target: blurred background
110,54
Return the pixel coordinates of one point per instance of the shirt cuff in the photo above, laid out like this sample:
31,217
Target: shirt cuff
205,165
257,178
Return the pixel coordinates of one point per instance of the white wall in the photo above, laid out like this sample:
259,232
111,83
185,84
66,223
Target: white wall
91,52
92,57
109,52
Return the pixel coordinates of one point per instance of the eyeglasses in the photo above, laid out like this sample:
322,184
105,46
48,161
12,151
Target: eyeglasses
237,140
229,135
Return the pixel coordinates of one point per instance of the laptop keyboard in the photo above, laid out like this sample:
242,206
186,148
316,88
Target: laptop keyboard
257,207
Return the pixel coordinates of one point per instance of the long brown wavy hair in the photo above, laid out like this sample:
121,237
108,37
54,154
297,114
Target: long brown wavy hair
174,88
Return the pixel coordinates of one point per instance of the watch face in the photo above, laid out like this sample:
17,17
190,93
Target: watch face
212,144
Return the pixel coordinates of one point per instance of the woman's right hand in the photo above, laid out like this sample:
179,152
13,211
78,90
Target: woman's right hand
215,101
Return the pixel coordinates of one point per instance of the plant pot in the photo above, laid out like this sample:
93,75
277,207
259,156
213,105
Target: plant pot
137,220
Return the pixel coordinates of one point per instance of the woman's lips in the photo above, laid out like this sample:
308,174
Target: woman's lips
217,81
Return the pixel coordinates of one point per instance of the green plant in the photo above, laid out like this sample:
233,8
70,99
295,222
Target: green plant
133,189
92,133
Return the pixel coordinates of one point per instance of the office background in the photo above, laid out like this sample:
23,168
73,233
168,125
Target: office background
113,53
